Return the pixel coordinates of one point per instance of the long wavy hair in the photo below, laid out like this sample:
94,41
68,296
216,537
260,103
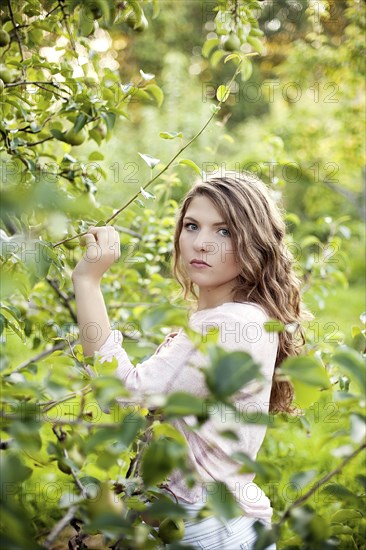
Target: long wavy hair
267,277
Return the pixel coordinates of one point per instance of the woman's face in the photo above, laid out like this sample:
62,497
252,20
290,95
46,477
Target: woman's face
205,236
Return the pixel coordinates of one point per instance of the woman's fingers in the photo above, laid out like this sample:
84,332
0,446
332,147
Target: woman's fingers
102,250
106,237
87,239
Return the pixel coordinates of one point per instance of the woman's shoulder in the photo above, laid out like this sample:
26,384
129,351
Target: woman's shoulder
241,311
241,327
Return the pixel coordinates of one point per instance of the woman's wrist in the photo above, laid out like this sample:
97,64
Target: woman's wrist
85,280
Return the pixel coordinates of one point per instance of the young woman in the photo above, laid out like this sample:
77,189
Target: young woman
231,260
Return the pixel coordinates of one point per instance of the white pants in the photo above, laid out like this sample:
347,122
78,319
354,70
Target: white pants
214,534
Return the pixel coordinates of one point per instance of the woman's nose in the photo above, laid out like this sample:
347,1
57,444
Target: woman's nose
203,243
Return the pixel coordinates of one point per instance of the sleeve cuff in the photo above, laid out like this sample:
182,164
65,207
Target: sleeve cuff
113,342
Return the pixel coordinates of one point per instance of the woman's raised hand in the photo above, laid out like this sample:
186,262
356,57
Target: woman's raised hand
102,250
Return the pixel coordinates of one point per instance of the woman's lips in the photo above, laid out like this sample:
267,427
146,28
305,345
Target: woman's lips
199,265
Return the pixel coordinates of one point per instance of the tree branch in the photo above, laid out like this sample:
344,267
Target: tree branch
37,83
319,483
183,148
60,525
64,298
64,17
43,354
17,35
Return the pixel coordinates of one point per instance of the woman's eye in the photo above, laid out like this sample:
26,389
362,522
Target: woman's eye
189,223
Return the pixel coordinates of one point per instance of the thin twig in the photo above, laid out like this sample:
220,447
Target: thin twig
66,422
65,299
76,479
17,35
183,148
32,144
60,525
53,9
64,17
54,93
38,83
128,231
55,402
321,482
43,354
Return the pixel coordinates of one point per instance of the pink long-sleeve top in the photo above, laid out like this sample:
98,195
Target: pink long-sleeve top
175,366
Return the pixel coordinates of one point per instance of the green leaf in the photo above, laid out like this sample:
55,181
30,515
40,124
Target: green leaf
57,134
256,43
11,282
309,241
229,371
80,122
246,70
12,469
266,470
340,516
301,479
352,362
134,503
340,493
96,155
273,325
150,161
338,529
216,57
163,508
140,203
209,45
232,56
307,370
137,10
184,404
293,219
11,315
135,92
124,433
167,430
105,388
191,164
163,315
222,93
109,118
86,22
170,135
305,395
160,458
129,428
156,92
361,480
222,501
96,136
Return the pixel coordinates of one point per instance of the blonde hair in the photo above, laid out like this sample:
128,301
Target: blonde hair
267,277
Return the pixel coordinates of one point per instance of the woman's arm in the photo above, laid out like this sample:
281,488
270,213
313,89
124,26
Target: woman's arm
93,321
103,249
178,367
